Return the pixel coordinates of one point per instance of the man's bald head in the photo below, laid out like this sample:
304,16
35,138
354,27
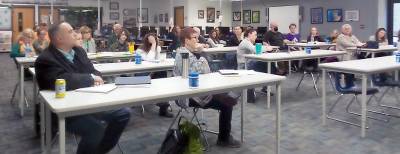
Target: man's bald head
274,26
118,29
197,29
62,35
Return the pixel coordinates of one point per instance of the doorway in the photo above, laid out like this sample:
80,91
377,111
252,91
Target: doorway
22,18
179,16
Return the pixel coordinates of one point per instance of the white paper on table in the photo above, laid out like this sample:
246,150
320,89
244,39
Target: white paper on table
236,72
105,88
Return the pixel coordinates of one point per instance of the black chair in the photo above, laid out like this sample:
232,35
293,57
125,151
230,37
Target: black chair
383,81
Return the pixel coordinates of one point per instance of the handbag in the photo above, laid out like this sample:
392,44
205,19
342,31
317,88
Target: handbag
175,142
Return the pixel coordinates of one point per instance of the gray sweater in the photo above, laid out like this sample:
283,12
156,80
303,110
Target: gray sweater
245,47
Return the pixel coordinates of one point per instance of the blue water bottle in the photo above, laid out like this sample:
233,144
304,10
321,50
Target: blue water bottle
397,57
193,80
308,50
138,59
258,48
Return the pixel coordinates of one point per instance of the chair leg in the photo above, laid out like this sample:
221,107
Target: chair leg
315,83
301,80
370,117
206,148
14,92
142,110
331,81
329,116
379,100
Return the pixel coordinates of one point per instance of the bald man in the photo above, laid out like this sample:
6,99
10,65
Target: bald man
275,38
117,31
99,132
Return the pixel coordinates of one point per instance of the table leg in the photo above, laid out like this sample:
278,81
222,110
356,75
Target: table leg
244,101
289,63
42,127
35,109
323,96
278,118
396,78
363,104
61,127
21,90
269,88
48,129
372,55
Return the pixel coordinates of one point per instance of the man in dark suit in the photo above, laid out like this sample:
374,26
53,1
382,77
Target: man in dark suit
99,132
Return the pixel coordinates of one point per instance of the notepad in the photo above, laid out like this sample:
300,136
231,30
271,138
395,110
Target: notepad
133,80
237,72
98,89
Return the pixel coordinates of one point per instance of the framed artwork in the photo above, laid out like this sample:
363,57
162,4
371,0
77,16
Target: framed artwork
317,15
200,14
5,18
114,6
114,15
255,17
247,16
145,15
161,17
129,12
210,15
218,14
166,18
129,21
237,16
352,15
334,15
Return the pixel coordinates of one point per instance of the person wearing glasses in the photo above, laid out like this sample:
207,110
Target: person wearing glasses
41,43
88,43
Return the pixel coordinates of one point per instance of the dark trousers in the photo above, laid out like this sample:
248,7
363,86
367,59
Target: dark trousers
99,132
224,103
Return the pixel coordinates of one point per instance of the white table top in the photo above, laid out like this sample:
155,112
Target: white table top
129,67
294,55
317,44
383,48
364,66
230,49
160,90
92,56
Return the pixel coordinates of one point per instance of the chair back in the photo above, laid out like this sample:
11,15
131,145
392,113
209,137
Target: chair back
349,81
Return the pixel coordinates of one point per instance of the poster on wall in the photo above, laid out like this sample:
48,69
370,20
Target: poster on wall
210,15
352,15
145,15
317,16
200,14
246,16
114,6
5,18
161,17
237,16
255,17
166,20
334,15
114,15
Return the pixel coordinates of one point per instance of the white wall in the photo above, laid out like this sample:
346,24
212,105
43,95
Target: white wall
195,5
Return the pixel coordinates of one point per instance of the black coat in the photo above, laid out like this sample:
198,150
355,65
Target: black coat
52,65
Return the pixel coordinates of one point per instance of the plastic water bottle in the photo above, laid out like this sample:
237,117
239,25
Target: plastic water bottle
397,55
258,48
138,59
193,80
308,50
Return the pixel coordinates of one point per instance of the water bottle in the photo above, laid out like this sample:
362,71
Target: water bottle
138,59
397,55
308,50
193,80
28,51
258,48
185,64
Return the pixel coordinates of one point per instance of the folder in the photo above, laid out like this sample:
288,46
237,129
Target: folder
133,80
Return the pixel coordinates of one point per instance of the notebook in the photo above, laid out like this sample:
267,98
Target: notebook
105,88
133,80
237,72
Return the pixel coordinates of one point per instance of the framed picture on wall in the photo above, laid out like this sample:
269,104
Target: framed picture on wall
145,15
161,17
218,14
317,15
200,14
352,15
247,16
114,15
255,17
210,15
237,16
334,15
114,6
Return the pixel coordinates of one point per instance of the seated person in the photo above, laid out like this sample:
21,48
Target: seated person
380,37
117,30
41,43
314,36
292,36
23,47
122,44
222,102
78,39
202,41
64,61
275,38
150,50
247,47
174,36
333,36
213,39
346,40
88,42
234,40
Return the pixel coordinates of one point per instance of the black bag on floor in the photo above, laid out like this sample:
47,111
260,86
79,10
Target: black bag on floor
175,142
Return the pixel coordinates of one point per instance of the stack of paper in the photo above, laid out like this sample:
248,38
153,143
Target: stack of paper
98,89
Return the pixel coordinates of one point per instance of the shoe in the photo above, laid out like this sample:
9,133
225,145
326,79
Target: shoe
251,97
231,143
265,90
166,114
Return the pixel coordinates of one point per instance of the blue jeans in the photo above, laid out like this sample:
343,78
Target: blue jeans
99,132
